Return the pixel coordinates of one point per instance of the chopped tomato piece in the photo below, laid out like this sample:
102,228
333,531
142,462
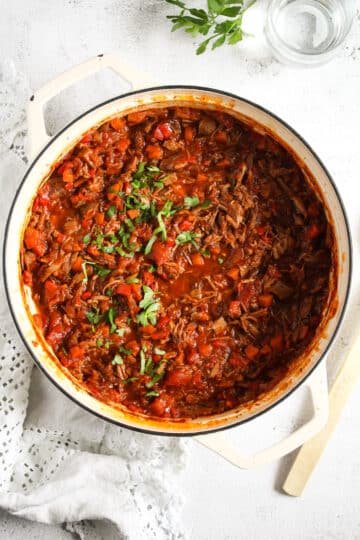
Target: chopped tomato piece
76,352
125,289
185,225
205,349
160,253
148,278
99,218
163,131
76,266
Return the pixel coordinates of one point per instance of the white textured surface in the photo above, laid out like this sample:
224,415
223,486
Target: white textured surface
43,39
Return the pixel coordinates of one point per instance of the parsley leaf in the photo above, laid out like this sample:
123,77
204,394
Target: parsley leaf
86,239
187,236
110,316
111,212
190,202
117,360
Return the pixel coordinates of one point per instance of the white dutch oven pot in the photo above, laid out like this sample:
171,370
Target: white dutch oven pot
45,151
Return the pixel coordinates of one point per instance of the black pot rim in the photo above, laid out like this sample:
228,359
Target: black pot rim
304,377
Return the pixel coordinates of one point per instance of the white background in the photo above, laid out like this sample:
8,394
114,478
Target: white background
45,37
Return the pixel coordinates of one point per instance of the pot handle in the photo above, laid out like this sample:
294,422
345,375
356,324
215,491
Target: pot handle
37,135
219,442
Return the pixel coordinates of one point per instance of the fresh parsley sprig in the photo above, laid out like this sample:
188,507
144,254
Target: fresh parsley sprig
222,21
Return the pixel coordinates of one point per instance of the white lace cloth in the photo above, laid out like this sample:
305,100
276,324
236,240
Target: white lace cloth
58,463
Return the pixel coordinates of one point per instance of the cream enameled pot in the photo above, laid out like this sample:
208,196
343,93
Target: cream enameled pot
45,152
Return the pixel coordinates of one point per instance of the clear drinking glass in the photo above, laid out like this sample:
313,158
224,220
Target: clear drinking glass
308,32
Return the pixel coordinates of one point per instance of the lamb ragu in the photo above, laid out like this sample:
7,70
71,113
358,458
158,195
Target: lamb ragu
179,260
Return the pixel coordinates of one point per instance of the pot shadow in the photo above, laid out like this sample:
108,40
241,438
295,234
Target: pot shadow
339,350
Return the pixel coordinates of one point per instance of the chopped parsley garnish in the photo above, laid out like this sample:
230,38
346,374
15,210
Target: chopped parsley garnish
129,380
205,204
132,280
94,317
111,212
191,202
125,351
142,362
98,269
149,306
220,260
187,236
109,292
149,246
153,393
151,269
120,331
110,316
86,239
102,272
158,351
205,252
117,360
99,342
155,379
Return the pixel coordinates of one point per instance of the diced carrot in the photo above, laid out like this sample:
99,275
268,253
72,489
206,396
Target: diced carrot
123,145
265,300
68,175
148,329
99,218
161,334
93,250
277,342
76,266
251,351
223,163
113,192
27,277
154,151
185,225
124,289
136,117
117,123
313,231
35,241
189,133
233,273
178,377
76,352
201,177
197,259
133,213
158,406
221,136
205,349
234,308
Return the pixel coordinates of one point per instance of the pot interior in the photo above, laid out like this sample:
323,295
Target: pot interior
22,305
